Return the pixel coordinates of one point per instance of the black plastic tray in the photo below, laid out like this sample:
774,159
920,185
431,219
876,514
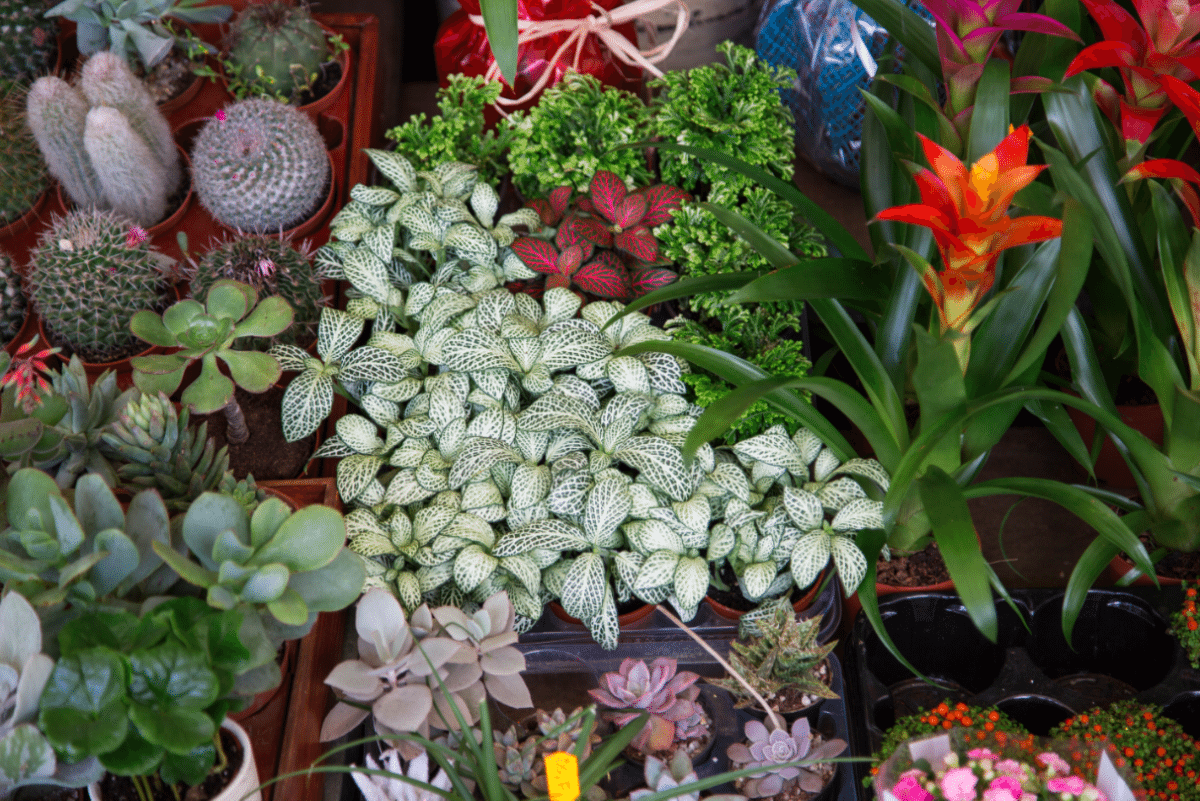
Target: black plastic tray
1122,650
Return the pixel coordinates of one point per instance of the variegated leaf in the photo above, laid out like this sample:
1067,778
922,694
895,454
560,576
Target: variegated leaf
660,464
383,412
475,349
803,508
662,200
607,507
552,535
291,358
859,514
369,544
604,627
359,433
729,478
824,465
477,456
557,411
472,242
869,469
367,273
585,586
569,347
605,275
606,192
337,332
627,564
809,444
432,521
531,485
721,541
772,448
398,391
638,242
664,370
408,590
471,566
395,168
691,581
568,493
332,448
810,554
484,202
525,570
648,536
628,374
435,575
560,305
470,527
537,254
756,579
658,570
850,562
839,492
354,473
307,401
404,489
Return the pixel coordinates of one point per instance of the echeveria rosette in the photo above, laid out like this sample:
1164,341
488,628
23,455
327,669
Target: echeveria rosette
772,750
966,208
1163,46
658,688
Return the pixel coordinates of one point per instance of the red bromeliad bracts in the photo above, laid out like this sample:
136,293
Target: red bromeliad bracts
967,211
1163,46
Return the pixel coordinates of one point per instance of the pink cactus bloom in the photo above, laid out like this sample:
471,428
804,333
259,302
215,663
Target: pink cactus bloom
135,236
958,784
909,788
220,115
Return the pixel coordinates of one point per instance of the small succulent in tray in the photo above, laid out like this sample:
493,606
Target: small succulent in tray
669,695
773,751
12,301
29,41
782,659
276,49
391,788
23,175
521,751
661,775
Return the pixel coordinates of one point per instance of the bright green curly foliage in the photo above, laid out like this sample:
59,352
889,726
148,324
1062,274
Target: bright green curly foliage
457,134
734,108
570,135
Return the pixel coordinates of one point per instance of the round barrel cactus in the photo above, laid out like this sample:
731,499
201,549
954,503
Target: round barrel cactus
273,267
27,39
91,271
261,166
12,301
23,175
277,49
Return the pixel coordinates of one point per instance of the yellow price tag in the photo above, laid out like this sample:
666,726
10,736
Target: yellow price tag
562,776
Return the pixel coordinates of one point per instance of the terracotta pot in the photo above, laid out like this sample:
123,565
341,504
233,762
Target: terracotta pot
302,492
243,786
1121,565
22,223
627,619
333,95
853,605
25,333
168,223
183,98
1110,467
287,669
801,603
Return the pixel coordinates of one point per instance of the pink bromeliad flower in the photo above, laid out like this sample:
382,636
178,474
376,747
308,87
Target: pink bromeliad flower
1163,46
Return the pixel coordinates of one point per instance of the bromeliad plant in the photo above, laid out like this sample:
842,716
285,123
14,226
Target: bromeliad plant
205,333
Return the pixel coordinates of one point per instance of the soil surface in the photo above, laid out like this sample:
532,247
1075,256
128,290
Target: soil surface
266,455
733,597
1176,564
120,788
915,570
169,78
331,73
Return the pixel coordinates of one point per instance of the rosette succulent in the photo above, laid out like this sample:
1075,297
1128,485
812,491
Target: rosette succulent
670,696
774,750
662,775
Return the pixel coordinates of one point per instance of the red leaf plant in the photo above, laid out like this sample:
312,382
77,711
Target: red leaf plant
604,244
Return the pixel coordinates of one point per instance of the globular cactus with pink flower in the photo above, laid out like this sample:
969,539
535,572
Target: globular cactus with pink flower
668,694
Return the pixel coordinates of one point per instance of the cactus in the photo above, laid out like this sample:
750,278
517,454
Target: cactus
90,277
261,168
273,267
12,301
277,49
105,141
23,176
27,40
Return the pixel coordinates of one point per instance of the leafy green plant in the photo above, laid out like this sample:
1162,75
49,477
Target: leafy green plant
276,50
205,333
575,131
145,694
458,132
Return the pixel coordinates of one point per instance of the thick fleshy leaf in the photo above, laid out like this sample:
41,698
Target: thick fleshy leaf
405,708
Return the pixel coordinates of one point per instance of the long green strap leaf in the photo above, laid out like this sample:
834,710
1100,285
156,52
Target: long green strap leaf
500,22
870,541
845,279
907,27
686,288
989,120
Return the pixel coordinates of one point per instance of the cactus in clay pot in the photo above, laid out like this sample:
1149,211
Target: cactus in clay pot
28,41
669,696
12,300
260,167
272,266
206,333
276,50
23,175
105,140
92,272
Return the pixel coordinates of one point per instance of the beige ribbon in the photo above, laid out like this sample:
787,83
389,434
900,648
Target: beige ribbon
600,25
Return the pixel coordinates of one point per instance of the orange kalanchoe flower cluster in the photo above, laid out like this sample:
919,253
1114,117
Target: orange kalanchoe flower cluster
1185,625
967,211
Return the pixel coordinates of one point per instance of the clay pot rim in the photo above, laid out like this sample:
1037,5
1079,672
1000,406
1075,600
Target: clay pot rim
23,222
166,223
622,620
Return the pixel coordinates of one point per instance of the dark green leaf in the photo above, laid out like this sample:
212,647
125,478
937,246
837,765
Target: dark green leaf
500,22
902,23
989,120
845,279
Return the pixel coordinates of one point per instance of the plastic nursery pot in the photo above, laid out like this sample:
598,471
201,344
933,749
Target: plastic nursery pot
171,221
309,224
854,605
791,712
803,602
627,619
22,223
244,784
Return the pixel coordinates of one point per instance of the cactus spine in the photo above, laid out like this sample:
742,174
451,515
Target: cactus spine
27,40
88,279
12,301
277,48
108,145
262,168
273,267
23,176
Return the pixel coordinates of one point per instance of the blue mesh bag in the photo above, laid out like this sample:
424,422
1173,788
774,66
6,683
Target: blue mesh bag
833,46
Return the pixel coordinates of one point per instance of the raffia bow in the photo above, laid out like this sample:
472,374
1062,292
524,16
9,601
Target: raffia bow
602,25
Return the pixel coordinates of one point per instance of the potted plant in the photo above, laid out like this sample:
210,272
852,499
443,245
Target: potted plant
1185,625
23,176
14,308
28,47
772,752
677,719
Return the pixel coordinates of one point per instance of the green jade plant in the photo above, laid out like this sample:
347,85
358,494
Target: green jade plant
204,334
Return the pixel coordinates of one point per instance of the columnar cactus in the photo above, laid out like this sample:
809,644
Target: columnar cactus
27,39
262,167
23,175
12,300
277,48
90,277
106,141
273,267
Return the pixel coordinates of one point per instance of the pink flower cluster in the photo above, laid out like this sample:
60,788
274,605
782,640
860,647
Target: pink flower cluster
989,777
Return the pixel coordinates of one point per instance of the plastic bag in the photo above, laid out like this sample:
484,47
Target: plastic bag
833,46
462,46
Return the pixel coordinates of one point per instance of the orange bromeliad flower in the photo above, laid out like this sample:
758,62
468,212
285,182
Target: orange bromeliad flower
967,210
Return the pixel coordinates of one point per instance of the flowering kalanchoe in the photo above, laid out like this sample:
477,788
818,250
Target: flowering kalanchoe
1186,626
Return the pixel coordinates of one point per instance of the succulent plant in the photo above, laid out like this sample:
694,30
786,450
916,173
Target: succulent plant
12,300
106,141
262,167
159,450
783,652
276,49
517,761
773,750
273,267
416,675
90,278
207,333
28,41
663,775
23,175
521,750
385,788
133,30
658,688
25,756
